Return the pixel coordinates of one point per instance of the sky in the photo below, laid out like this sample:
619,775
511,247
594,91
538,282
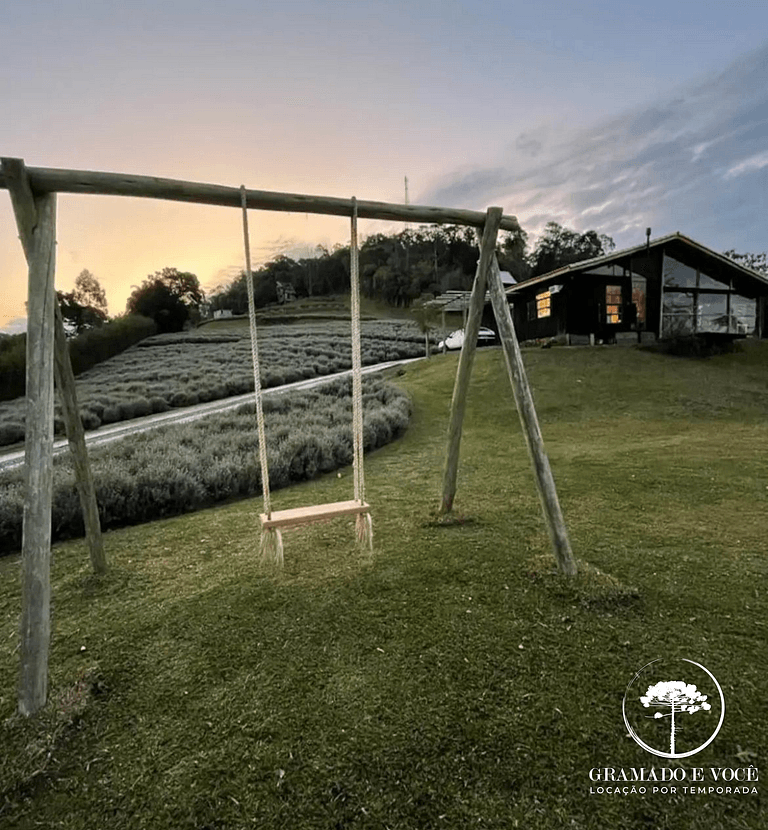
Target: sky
605,115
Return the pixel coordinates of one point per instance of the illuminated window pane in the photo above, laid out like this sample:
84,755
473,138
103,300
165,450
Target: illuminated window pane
612,303
543,304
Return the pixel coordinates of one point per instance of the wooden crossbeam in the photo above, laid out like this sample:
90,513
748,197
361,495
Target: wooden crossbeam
315,513
53,180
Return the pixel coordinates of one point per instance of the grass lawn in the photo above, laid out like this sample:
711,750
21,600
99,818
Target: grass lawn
452,679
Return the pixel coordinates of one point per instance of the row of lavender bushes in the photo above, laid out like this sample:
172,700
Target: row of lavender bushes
182,468
179,370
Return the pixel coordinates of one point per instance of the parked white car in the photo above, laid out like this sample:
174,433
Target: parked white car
455,340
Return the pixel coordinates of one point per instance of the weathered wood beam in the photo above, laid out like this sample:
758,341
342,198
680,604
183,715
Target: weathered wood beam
53,180
36,538
545,482
86,489
26,219
467,356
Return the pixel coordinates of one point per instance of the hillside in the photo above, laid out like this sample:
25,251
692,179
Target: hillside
452,679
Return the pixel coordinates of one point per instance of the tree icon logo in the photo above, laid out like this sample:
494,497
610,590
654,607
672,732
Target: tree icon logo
688,712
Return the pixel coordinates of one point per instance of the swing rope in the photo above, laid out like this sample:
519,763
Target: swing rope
357,371
271,538
363,524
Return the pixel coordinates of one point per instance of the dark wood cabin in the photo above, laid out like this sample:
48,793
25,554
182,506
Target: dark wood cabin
667,287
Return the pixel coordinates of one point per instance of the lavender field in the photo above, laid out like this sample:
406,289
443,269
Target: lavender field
177,370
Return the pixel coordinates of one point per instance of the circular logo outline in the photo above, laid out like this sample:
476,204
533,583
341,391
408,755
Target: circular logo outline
638,740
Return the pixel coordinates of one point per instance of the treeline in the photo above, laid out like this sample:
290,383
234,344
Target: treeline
403,267
86,350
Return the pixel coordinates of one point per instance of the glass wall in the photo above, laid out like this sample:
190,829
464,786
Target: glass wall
696,303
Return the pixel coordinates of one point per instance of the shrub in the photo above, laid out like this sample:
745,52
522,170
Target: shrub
11,433
98,344
177,469
159,404
136,409
112,413
13,362
180,399
695,345
90,419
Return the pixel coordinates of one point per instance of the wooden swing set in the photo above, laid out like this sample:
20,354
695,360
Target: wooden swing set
33,194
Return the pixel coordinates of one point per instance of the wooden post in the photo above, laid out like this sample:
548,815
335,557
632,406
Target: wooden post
471,329
445,330
65,380
36,544
524,399
25,211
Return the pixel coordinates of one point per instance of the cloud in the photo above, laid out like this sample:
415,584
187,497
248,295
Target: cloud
15,325
695,161
754,163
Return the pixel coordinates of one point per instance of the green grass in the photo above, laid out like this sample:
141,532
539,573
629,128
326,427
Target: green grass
452,679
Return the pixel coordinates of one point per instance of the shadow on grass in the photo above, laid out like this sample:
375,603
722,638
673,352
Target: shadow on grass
591,588
450,520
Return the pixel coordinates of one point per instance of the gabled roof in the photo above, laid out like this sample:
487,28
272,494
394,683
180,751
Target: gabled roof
614,255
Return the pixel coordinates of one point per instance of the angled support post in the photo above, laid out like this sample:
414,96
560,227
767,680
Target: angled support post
25,210
545,483
467,356
36,540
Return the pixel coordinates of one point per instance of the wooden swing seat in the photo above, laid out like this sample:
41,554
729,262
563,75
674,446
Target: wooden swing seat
315,513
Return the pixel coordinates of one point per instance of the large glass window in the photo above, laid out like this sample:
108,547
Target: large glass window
678,313
678,275
708,282
707,305
612,303
743,317
712,313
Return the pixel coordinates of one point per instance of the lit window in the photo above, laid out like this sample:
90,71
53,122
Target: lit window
612,303
543,304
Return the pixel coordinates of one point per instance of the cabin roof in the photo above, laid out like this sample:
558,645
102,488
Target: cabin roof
614,255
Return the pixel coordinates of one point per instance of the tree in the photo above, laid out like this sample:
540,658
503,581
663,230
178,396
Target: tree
559,246
154,299
85,307
511,254
757,262
89,293
183,285
426,319
677,696
169,297
78,317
